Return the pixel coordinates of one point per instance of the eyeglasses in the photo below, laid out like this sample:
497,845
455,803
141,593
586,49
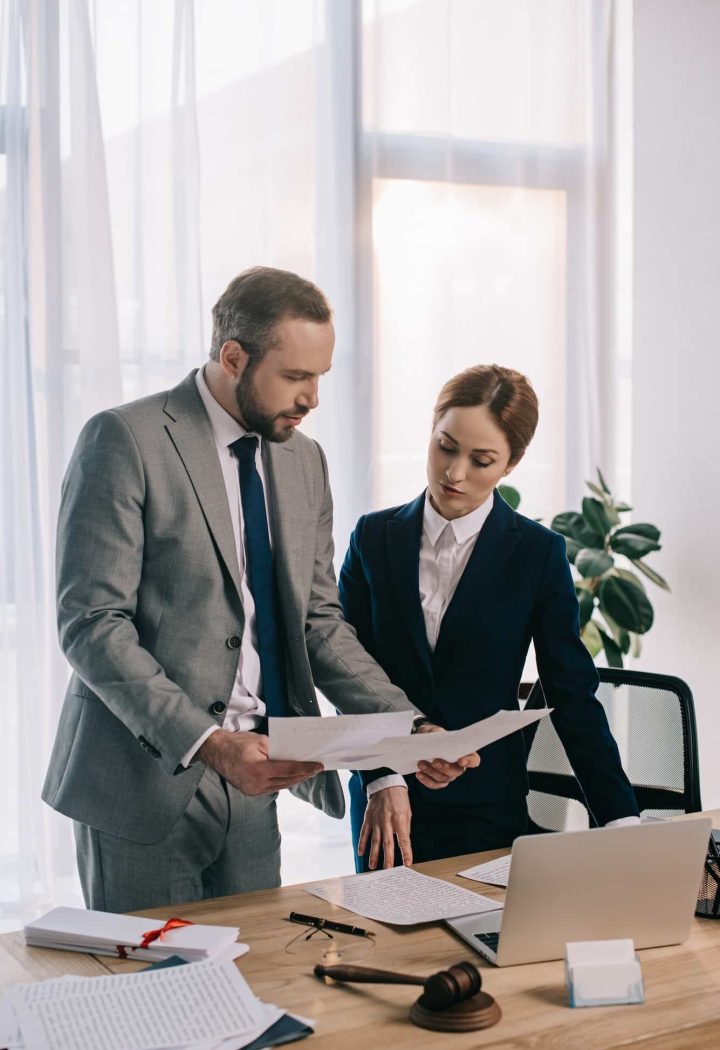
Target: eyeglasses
330,948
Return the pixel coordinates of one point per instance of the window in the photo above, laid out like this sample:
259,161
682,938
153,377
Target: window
481,149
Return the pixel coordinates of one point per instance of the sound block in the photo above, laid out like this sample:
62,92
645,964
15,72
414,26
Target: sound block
481,1011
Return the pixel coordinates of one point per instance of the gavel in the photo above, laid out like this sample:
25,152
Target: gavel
440,990
451,999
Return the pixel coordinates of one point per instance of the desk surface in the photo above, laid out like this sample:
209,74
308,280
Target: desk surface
682,983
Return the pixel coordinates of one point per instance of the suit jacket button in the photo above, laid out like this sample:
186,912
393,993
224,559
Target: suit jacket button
217,708
233,642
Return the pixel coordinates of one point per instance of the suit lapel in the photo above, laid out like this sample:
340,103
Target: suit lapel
403,546
497,540
189,429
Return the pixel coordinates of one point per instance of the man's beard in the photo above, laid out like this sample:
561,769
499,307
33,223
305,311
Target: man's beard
254,417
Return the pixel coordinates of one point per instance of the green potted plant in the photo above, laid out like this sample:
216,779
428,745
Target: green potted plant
615,610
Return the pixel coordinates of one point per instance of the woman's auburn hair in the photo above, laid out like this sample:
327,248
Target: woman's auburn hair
508,396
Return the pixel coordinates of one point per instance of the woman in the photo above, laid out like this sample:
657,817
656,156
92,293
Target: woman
446,593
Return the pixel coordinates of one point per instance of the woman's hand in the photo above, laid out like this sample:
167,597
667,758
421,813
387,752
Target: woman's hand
387,818
439,773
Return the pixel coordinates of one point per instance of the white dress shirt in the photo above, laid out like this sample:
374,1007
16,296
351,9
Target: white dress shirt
245,708
445,549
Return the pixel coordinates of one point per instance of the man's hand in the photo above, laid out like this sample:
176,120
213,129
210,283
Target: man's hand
387,818
242,758
439,773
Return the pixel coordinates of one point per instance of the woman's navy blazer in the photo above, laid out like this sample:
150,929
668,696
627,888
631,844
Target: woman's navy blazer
516,588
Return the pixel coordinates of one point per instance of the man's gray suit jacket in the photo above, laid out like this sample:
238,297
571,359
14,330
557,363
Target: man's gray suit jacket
150,615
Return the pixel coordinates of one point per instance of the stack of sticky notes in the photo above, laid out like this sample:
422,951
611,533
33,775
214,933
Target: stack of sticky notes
104,933
603,973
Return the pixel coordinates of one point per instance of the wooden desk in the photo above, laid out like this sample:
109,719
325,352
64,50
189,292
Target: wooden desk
682,984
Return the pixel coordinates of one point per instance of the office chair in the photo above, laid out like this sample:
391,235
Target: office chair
652,718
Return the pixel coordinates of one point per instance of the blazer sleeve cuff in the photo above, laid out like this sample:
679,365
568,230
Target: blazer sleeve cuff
394,780
368,776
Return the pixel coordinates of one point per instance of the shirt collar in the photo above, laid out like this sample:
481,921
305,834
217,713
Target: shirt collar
225,429
463,528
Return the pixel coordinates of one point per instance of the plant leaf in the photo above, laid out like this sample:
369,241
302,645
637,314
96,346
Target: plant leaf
621,636
640,528
596,489
572,524
651,574
510,495
632,545
587,604
602,481
594,514
622,508
626,603
566,523
636,645
591,562
591,638
572,549
613,654
625,574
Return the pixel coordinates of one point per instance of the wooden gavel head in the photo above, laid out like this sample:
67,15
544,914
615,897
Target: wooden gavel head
452,986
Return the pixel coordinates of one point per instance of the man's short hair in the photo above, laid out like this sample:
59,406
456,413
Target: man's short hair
255,302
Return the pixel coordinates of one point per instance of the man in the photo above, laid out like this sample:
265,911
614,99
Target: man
196,596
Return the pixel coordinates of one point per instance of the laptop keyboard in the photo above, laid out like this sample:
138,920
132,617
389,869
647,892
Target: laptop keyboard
490,940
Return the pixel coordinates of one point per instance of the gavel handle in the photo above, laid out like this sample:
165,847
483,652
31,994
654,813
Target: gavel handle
366,975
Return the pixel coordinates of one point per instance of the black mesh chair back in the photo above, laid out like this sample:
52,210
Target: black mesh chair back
652,718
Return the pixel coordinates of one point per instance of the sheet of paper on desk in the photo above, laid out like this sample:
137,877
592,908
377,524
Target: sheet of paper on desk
403,755
9,1032
310,739
402,897
204,1005
493,872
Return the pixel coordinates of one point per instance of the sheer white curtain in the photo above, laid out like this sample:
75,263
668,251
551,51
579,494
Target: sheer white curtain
148,153
59,352
436,166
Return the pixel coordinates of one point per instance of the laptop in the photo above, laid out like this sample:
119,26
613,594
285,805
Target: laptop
638,881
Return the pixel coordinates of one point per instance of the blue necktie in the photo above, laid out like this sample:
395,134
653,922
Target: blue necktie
261,577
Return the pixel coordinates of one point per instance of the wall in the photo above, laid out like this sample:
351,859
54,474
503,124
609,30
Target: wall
676,358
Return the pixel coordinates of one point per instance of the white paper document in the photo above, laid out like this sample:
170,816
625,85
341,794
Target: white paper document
402,896
493,872
9,1031
326,740
202,1004
320,739
105,933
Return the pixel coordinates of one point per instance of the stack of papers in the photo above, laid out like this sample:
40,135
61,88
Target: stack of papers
384,740
104,933
402,896
205,1006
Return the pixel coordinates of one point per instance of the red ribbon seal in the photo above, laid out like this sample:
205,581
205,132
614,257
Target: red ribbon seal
153,935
